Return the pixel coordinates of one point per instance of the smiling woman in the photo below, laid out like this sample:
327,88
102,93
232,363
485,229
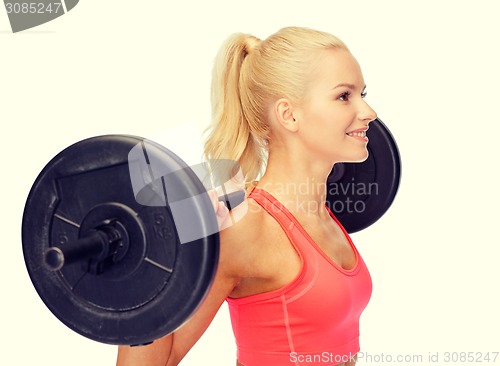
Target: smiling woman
287,109
334,109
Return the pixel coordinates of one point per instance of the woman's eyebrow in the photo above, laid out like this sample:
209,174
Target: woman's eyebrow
347,85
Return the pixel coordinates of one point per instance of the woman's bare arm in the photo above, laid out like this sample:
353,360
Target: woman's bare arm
156,353
171,349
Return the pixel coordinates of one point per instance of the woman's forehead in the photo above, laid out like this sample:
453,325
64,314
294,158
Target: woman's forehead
335,67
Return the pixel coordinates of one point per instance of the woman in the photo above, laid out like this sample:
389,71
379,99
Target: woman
294,282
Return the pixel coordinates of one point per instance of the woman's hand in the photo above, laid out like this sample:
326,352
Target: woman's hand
220,209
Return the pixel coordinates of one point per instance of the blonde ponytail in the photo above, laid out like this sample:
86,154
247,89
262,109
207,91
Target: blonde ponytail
248,75
231,136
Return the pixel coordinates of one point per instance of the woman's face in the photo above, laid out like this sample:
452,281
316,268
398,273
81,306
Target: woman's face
334,117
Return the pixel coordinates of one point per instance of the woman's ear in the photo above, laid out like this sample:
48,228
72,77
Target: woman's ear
284,114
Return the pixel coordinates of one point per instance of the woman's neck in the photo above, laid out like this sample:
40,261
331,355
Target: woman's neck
298,183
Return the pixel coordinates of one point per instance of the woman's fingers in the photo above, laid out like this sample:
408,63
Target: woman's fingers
220,209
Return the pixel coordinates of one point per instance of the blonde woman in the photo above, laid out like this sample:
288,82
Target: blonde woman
287,108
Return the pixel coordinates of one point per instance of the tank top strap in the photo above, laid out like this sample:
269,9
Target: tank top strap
285,218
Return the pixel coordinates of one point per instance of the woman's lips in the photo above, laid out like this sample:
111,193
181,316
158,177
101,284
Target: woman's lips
359,134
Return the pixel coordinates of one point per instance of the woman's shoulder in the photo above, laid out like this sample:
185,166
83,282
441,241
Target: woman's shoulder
243,240
245,223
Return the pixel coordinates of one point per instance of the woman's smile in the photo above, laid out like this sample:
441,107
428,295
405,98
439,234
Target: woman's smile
359,134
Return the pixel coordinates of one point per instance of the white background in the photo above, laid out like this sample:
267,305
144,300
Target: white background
144,68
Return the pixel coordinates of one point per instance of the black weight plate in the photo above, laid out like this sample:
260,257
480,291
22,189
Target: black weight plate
360,193
157,283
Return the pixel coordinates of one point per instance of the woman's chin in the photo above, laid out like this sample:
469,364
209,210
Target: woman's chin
358,158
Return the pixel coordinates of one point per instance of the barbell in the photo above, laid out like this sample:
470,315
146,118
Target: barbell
121,241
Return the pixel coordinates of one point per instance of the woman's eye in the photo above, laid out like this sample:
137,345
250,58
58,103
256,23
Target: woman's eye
344,96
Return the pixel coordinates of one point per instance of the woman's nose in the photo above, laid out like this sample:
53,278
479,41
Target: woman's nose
367,113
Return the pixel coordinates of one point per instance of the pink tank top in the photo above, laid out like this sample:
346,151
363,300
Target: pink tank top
312,321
